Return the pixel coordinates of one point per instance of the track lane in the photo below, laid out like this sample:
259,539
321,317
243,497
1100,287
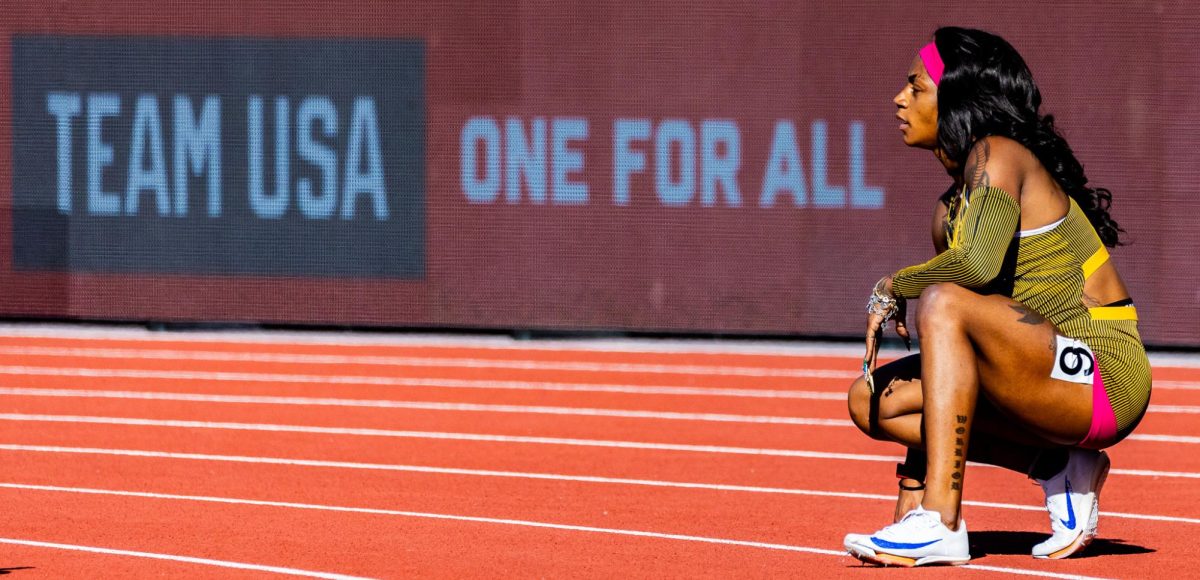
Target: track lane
45,562
110,372
399,546
990,483
1133,454
712,353
778,402
671,511
1124,493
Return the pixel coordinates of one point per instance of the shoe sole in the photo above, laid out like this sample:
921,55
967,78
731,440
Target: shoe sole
1087,535
868,556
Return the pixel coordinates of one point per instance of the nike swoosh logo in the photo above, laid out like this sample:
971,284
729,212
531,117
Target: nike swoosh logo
1070,521
899,545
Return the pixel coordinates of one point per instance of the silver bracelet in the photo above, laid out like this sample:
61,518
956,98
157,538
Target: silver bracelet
882,305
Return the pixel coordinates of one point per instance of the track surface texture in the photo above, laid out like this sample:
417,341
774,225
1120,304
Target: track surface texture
336,455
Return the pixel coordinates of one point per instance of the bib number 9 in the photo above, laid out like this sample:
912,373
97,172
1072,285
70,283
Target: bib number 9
1073,361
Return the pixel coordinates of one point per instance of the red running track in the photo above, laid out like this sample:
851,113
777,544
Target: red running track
224,455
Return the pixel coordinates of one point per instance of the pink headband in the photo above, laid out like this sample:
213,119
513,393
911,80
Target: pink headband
933,62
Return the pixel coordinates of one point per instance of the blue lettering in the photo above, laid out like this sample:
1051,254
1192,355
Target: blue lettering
100,154
147,125
675,192
526,157
567,160
716,168
784,172
198,142
312,110
625,160
283,151
364,130
264,205
824,195
480,130
860,194
64,107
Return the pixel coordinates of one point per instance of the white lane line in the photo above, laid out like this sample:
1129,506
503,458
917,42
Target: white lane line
1026,572
717,449
503,521
416,361
221,376
1149,473
23,370
436,406
540,476
1165,438
564,387
435,435
1178,385
1184,409
174,558
341,339
450,362
396,381
388,404
395,340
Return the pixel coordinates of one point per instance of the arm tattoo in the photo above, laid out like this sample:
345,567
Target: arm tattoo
1027,316
976,171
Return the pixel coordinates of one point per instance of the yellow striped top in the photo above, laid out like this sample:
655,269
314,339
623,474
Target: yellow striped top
1045,270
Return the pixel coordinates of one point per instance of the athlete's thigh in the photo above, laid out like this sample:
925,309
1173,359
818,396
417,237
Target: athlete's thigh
1016,353
900,394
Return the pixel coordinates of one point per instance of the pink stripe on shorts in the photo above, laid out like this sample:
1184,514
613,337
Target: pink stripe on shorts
1103,432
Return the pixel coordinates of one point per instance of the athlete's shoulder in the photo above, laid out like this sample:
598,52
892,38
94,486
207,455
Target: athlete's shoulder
997,162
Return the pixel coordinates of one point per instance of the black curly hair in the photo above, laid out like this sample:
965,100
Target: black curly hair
987,89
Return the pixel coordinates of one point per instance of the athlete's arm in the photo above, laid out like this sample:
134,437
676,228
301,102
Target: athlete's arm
985,229
940,209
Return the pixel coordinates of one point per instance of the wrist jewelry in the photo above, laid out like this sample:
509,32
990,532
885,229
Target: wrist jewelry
882,305
885,306
882,302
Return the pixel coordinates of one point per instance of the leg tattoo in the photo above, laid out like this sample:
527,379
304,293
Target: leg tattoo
1027,316
959,456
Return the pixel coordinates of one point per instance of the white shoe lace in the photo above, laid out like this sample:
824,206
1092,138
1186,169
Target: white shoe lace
916,519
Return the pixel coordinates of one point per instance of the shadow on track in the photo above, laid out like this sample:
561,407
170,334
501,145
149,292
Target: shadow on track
1007,542
4,571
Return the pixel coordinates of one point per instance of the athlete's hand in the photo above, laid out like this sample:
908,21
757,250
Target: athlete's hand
875,327
874,335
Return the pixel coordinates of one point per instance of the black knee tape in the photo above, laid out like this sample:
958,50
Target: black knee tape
913,466
1049,463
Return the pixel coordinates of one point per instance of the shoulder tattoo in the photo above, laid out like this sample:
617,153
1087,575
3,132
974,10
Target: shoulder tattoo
976,170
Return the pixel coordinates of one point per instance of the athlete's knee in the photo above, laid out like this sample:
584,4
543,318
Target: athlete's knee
940,303
859,402
866,410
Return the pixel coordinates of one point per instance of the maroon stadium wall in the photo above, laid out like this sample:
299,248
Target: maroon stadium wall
689,167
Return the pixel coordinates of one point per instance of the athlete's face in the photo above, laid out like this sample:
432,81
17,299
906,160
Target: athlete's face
917,103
